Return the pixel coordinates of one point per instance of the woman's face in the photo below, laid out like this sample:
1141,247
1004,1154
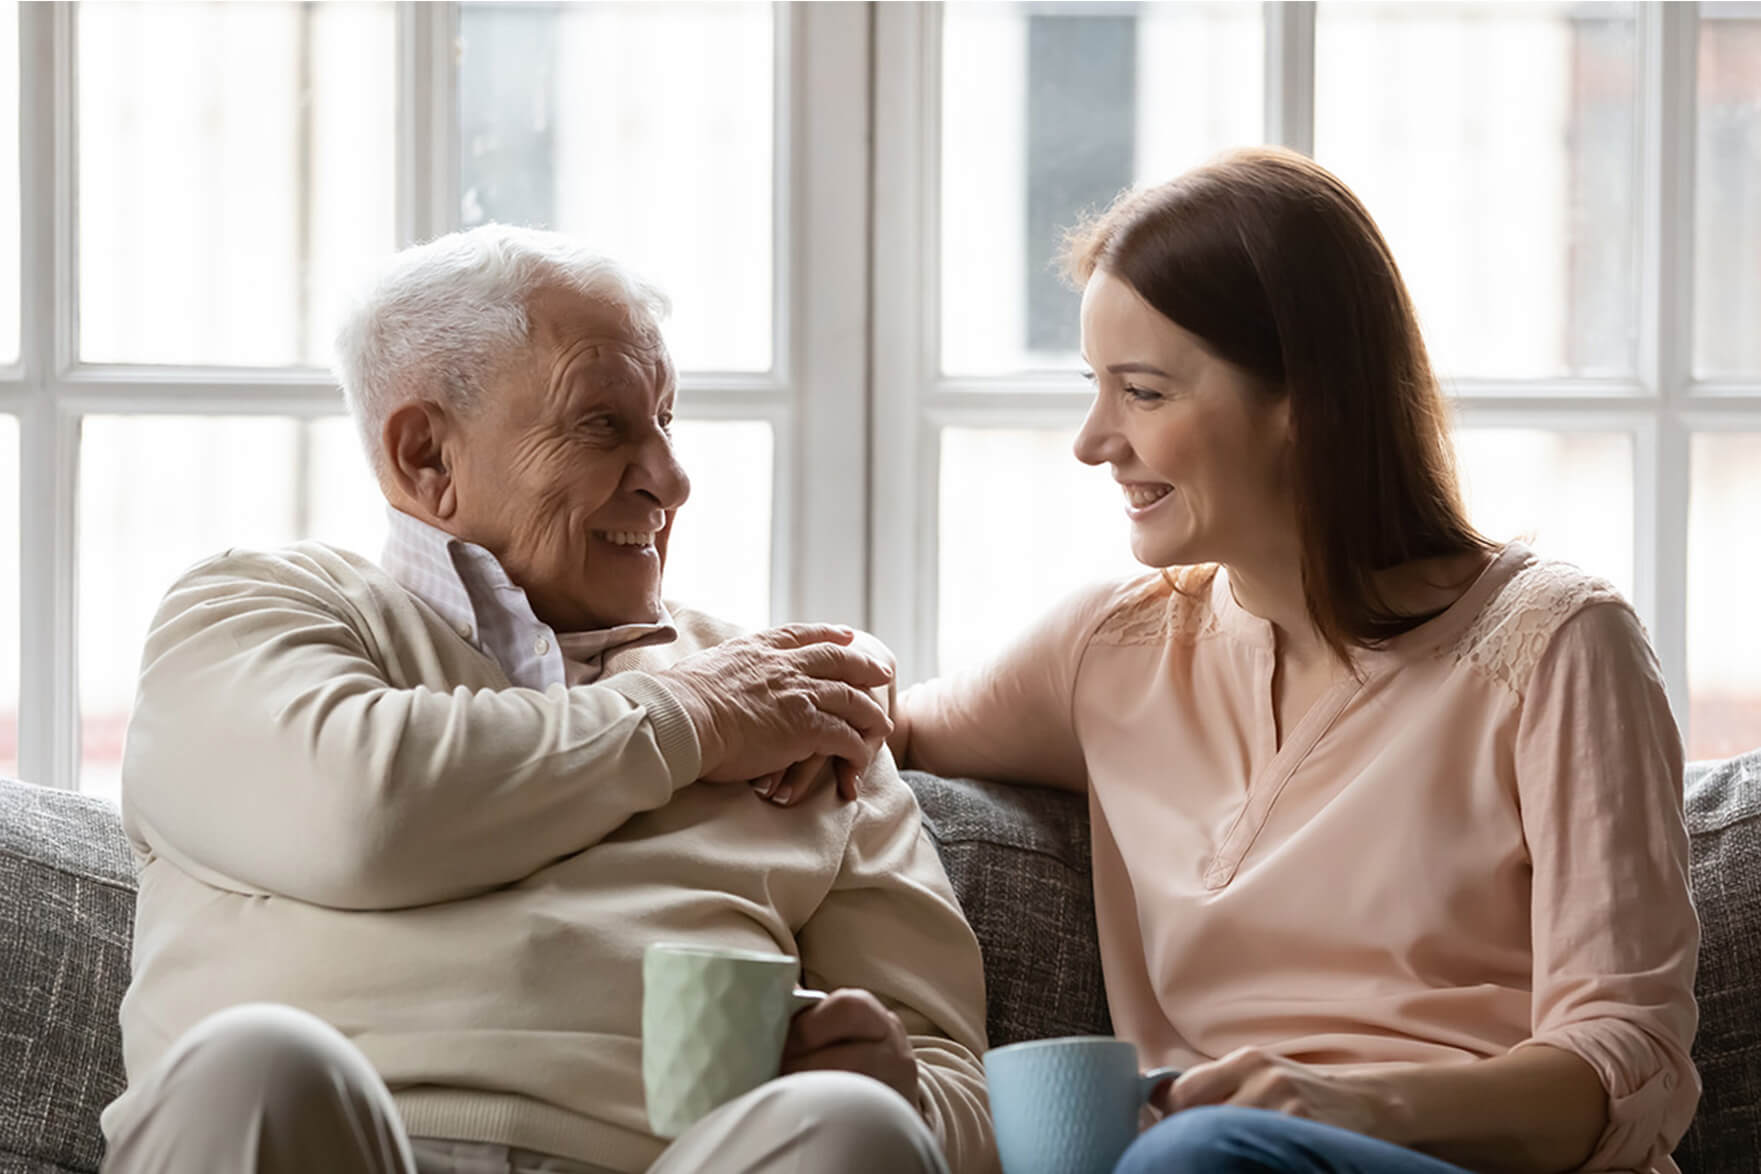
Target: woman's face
1198,447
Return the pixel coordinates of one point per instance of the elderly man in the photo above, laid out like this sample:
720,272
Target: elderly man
405,830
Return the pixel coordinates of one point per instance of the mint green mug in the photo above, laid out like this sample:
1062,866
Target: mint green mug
1068,1105
713,1025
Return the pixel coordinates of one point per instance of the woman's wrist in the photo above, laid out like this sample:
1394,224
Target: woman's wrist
1390,1104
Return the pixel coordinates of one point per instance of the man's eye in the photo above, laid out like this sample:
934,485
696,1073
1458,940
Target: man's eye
666,421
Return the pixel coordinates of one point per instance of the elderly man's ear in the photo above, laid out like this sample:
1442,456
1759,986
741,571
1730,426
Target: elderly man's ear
415,442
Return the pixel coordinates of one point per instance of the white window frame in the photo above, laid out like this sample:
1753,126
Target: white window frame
1662,408
814,397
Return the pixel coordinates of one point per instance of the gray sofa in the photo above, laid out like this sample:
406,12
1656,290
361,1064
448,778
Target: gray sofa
1018,858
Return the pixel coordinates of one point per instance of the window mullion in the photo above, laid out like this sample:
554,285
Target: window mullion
1668,43
427,120
822,260
1290,74
903,267
48,434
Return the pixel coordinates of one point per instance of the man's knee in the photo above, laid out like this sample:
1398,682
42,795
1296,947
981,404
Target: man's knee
1219,1139
261,1055
856,1124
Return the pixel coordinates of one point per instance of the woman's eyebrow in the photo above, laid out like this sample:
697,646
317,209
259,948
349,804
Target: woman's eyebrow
1136,369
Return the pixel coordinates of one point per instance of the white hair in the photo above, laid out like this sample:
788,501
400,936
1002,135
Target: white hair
441,318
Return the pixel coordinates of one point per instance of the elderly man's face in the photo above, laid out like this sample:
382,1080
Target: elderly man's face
568,474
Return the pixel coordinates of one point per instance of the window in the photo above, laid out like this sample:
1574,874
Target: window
1724,564
856,211
1496,146
562,124
1572,196
1045,112
236,168
1727,193
234,161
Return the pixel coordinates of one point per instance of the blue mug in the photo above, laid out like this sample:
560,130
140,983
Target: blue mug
1067,1106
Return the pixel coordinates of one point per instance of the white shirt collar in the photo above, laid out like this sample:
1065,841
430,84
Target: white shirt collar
467,587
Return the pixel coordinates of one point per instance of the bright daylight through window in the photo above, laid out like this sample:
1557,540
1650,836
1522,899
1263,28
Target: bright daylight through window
1572,191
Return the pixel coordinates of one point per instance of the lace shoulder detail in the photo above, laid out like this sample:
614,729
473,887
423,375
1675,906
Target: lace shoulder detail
1511,632
1160,608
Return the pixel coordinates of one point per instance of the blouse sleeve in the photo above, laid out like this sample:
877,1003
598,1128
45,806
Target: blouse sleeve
1599,774
1010,719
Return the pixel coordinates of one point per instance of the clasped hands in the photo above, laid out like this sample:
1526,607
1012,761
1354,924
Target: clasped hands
1254,1078
777,708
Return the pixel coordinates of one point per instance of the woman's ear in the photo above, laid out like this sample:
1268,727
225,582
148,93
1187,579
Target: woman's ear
413,444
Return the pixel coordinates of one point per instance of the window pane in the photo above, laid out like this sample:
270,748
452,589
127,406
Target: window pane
1569,495
9,260
236,164
1048,111
1724,565
1727,195
645,129
160,493
1495,144
11,559
1023,523
718,559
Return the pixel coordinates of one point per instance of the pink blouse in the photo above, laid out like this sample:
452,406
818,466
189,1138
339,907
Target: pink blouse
1476,846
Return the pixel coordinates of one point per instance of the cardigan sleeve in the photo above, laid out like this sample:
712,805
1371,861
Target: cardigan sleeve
1615,937
270,752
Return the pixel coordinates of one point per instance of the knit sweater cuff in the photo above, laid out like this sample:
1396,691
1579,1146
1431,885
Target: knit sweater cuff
673,731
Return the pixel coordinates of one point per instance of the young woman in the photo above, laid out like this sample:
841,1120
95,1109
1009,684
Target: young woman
1388,841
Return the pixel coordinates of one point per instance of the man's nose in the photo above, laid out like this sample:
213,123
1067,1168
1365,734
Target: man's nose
658,474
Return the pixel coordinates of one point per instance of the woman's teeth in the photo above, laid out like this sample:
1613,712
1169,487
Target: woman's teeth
1141,495
629,537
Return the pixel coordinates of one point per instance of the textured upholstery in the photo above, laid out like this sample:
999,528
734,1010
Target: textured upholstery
66,916
1724,819
1018,859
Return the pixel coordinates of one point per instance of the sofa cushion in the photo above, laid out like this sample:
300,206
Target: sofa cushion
1724,822
1018,858
67,894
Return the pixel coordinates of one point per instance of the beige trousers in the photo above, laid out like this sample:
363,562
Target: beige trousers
265,1089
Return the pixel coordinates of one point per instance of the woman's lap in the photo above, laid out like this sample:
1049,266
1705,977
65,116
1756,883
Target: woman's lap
1223,1139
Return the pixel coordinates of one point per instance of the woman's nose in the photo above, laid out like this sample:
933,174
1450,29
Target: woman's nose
1096,442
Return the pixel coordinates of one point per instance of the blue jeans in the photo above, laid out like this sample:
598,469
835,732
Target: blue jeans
1222,1139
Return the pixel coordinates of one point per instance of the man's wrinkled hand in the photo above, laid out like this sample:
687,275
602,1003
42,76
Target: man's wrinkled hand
762,703
796,783
851,1031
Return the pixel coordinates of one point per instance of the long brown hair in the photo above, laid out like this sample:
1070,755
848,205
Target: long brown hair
1279,270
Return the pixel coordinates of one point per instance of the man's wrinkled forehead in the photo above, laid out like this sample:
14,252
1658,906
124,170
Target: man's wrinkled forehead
568,320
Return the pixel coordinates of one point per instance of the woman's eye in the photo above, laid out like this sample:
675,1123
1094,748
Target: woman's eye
1142,395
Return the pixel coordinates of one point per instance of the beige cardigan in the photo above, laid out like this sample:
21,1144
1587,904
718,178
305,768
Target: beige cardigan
339,804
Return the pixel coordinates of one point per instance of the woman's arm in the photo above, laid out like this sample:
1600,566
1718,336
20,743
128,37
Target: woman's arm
1536,1110
1616,941
1008,720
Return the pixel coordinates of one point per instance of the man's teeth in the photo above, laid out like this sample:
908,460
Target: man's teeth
1142,495
629,537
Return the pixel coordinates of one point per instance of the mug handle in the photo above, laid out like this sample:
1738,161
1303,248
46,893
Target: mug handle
800,1000
1150,1081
